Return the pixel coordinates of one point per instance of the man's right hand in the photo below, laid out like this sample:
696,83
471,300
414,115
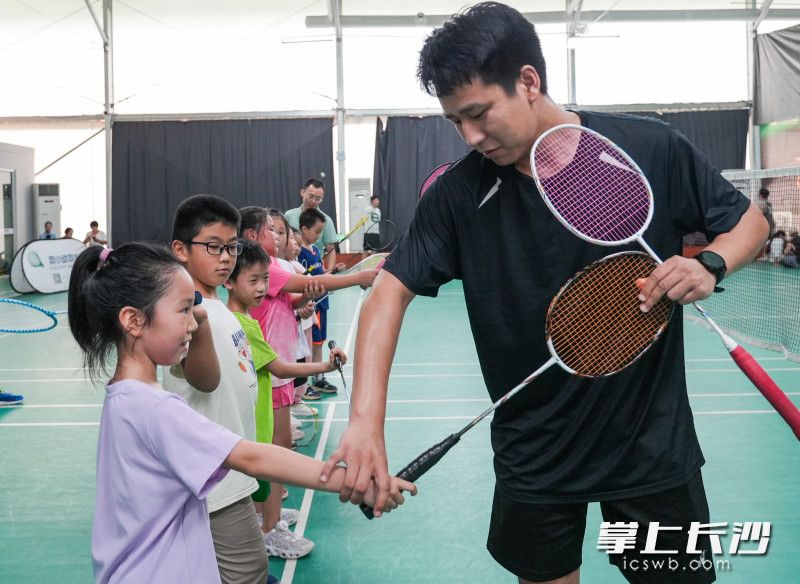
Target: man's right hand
363,452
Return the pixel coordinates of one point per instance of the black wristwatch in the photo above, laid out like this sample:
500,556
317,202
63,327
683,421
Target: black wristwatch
714,263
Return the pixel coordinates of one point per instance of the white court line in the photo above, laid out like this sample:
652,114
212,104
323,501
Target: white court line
737,394
54,380
329,420
74,369
53,406
472,375
737,370
440,418
305,507
453,401
308,496
45,424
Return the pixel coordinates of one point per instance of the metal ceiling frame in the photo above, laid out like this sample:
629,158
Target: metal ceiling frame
421,19
572,16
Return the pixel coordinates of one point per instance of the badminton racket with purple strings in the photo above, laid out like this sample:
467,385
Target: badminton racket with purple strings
601,195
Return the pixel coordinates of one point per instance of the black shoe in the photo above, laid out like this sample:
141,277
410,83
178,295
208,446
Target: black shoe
322,386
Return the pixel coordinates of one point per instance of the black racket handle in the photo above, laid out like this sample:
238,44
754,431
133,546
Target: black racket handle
420,465
336,360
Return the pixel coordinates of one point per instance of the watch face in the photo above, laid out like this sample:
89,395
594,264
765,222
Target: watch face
712,260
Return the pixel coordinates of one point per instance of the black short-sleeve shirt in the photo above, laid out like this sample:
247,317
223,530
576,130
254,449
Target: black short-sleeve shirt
566,438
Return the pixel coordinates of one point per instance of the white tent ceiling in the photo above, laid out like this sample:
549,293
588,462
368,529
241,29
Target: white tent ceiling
252,55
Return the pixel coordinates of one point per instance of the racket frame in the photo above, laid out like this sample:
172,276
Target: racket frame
425,461
28,305
746,363
540,187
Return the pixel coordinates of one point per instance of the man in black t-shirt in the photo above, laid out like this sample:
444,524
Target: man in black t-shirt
627,440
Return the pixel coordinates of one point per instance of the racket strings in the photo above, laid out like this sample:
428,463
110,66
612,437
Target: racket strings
369,263
613,202
595,324
17,316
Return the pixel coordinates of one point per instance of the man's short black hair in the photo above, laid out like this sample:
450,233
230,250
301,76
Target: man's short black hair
252,254
763,192
94,224
373,197
198,211
310,217
313,182
46,223
489,40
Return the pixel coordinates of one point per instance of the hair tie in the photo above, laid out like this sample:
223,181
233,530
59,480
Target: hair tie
104,257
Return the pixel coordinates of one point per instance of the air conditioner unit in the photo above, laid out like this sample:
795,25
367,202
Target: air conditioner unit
46,207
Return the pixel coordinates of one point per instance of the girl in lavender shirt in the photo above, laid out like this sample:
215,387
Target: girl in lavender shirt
157,459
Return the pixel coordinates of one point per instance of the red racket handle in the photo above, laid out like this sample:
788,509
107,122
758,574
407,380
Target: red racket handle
768,388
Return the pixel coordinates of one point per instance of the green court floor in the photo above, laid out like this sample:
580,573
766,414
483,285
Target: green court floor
47,452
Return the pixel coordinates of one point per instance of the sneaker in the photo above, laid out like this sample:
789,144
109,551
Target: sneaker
297,435
321,385
290,516
303,410
284,543
311,394
9,399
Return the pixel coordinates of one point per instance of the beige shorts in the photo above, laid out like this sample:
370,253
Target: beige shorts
239,545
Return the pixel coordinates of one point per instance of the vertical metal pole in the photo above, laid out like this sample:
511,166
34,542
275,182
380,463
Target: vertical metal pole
571,78
342,204
108,67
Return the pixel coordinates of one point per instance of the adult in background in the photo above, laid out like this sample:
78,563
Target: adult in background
67,233
95,236
48,232
372,235
627,440
312,195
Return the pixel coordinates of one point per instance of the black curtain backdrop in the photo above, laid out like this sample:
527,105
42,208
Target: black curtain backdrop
406,152
720,134
408,149
248,162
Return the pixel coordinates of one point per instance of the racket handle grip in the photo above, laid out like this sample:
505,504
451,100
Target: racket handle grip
768,388
420,465
336,360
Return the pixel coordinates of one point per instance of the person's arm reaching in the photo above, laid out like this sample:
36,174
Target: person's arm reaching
685,280
287,370
362,447
270,462
297,283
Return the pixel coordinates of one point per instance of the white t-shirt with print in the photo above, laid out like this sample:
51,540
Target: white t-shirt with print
232,404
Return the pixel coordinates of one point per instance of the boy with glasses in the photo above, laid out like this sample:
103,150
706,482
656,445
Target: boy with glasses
217,378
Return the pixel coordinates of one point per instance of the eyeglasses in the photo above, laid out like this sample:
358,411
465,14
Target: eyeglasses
215,248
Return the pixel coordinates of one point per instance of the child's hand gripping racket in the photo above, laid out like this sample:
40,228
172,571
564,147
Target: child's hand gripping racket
594,328
601,195
338,358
